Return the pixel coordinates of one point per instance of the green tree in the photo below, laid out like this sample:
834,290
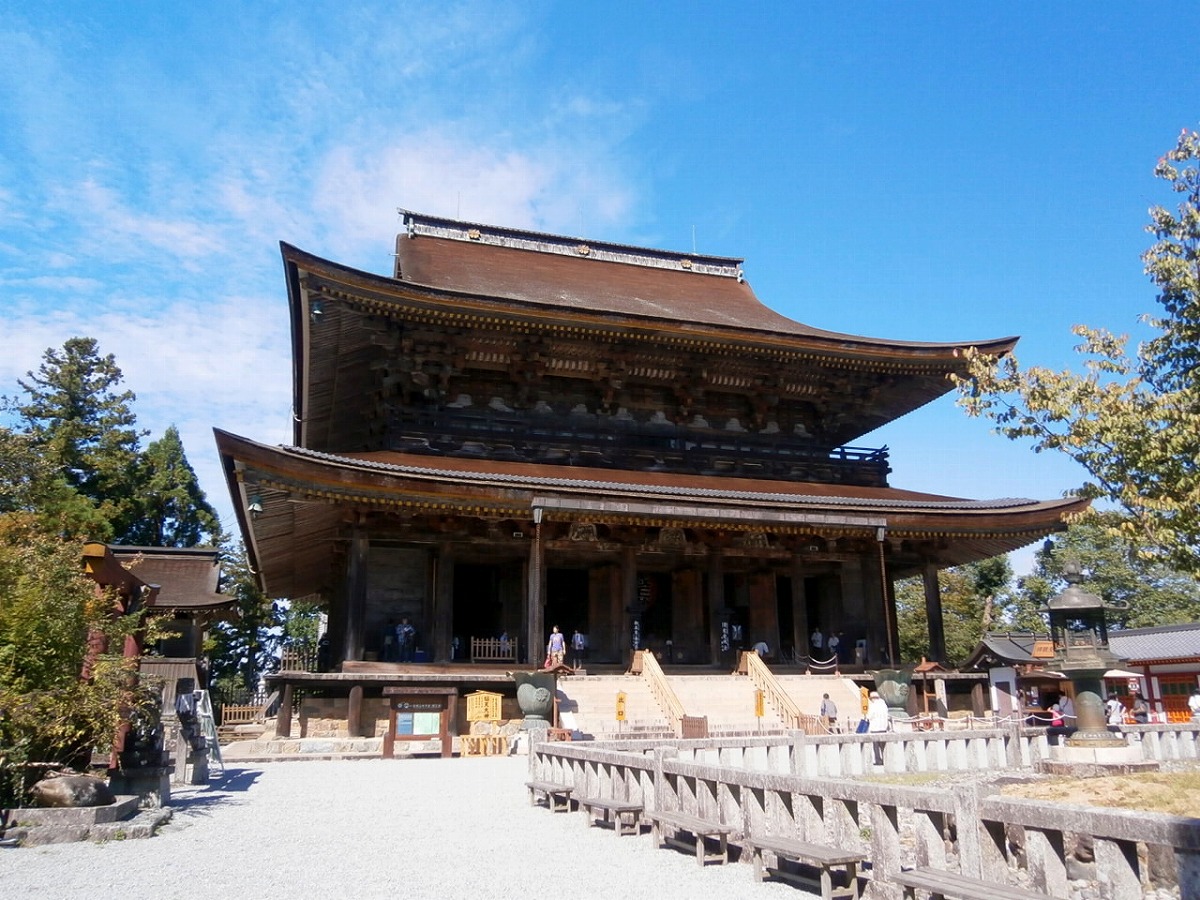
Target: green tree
974,598
1150,592
30,483
49,712
1132,419
84,426
173,511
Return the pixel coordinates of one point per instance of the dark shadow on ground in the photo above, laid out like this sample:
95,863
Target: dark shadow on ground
218,792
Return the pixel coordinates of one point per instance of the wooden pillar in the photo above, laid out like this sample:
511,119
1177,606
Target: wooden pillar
628,599
800,629
599,624
716,604
933,612
764,610
535,602
687,613
441,610
354,711
283,721
356,596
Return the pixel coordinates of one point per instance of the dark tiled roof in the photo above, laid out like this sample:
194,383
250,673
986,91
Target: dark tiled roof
187,577
1011,648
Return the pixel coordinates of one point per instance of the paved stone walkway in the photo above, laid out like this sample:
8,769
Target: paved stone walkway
414,828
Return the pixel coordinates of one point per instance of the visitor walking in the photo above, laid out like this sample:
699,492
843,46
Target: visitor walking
1141,710
1194,706
556,648
578,645
829,713
877,722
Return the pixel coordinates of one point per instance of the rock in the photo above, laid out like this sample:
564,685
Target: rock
72,790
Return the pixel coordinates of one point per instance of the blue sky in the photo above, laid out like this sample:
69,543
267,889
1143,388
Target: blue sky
926,171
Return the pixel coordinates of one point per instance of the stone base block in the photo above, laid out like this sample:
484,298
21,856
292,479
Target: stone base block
80,816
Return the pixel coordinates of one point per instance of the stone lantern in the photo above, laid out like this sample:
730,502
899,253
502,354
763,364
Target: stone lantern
1080,635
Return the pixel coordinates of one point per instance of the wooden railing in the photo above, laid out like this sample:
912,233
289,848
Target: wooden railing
298,659
493,649
647,666
751,664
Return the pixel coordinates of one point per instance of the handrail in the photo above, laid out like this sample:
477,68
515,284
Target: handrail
764,679
647,666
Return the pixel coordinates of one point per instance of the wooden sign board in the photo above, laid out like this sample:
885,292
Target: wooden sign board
420,714
1043,650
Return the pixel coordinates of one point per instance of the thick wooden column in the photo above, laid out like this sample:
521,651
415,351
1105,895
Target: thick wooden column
354,711
800,629
356,596
535,600
933,612
628,601
441,610
283,721
687,614
599,617
764,611
716,604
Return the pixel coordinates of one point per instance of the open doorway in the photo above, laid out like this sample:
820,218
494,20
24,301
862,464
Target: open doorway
567,601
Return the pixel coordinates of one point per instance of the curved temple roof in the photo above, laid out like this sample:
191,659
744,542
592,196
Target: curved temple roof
299,491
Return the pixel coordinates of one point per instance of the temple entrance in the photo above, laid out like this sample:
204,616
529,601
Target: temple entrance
654,612
478,605
567,601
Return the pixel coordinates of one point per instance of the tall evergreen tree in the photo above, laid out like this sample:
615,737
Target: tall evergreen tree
173,511
81,421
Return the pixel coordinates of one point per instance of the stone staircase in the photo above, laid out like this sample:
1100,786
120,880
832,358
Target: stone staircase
726,700
590,703
806,691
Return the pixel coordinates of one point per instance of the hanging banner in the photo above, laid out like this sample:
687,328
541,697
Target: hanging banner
636,634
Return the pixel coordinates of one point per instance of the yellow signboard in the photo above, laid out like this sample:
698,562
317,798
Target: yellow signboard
620,706
1043,650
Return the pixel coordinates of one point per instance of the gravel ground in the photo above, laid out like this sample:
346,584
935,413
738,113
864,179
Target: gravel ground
417,828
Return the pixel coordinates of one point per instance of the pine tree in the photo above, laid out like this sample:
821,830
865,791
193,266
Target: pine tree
173,509
81,422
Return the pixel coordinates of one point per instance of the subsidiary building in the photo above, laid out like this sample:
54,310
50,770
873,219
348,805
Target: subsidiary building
521,430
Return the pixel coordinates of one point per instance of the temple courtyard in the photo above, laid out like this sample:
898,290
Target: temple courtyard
418,828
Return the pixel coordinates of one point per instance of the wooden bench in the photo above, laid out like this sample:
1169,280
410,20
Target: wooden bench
625,815
667,825
558,796
818,856
941,884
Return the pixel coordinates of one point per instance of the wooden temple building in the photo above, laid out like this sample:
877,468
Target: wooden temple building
521,430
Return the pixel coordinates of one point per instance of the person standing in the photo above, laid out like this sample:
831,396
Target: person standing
877,722
1194,706
556,648
829,713
578,645
1141,710
1067,705
818,641
1114,711
834,644
406,640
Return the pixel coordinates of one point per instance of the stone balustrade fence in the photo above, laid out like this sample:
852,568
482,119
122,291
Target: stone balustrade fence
807,787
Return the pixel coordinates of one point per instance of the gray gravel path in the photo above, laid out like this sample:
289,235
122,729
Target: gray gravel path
415,828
